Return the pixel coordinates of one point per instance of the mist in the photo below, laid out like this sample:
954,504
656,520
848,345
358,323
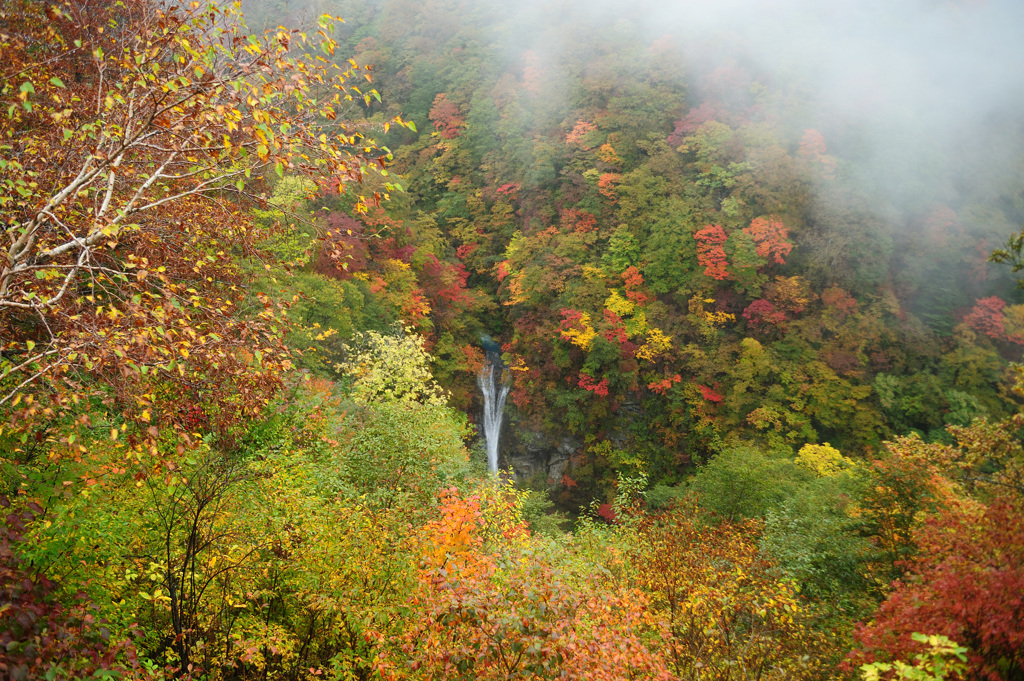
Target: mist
898,85
918,101
915,96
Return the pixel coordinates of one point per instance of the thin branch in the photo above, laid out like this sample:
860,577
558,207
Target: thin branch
28,380
24,364
82,257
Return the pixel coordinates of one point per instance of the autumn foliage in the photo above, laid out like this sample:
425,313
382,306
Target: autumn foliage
606,185
814,150
763,315
599,388
770,235
130,213
487,611
724,607
711,252
760,415
41,636
986,317
446,117
966,583
577,136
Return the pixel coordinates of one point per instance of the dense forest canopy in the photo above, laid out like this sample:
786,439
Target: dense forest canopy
749,271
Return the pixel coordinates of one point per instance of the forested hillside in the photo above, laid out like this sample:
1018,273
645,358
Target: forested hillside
751,274
672,257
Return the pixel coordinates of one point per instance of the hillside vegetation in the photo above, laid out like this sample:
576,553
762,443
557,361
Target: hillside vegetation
245,286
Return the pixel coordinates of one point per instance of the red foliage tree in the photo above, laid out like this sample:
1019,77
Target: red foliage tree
709,394
661,387
446,117
533,72
444,285
711,251
986,317
344,250
606,512
579,221
577,136
940,224
606,185
510,189
614,331
812,148
693,119
571,319
979,261
812,145
966,583
762,315
587,382
465,249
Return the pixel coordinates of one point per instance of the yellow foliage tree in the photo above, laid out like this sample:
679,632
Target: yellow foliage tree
824,460
582,333
657,343
390,368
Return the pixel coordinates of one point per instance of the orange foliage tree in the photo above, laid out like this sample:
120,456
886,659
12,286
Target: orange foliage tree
729,615
771,237
488,608
711,251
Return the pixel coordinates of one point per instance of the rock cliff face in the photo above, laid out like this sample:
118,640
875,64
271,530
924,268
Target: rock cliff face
537,458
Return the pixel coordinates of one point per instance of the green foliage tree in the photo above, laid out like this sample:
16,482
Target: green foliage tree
743,483
943,658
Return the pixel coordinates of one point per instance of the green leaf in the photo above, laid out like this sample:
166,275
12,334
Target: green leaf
27,88
57,81
279,167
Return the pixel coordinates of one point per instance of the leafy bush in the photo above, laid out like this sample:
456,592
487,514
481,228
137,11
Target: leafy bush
742,482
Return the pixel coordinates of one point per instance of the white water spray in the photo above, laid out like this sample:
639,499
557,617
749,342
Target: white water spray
494,392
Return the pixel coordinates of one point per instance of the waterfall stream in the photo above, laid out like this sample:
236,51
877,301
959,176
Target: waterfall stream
494,391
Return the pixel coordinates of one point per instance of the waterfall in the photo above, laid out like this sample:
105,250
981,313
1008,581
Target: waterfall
494,391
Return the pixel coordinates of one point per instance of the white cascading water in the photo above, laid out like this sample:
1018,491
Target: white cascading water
494,391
